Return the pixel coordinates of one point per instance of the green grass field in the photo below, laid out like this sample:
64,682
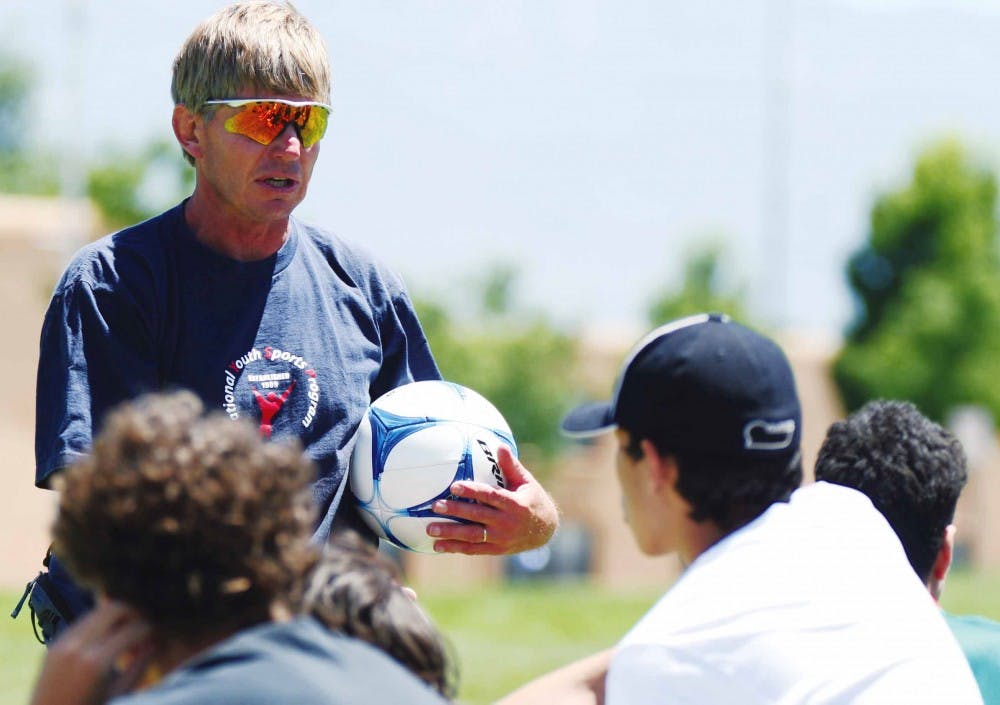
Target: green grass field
20,654
506,636
501,636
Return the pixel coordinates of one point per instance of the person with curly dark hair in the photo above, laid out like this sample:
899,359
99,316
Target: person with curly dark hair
913,470
194,534
356,590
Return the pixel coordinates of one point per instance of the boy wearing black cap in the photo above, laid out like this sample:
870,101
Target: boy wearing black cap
788,595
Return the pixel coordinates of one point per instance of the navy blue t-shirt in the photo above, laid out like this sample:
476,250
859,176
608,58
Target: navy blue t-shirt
299,343
298,662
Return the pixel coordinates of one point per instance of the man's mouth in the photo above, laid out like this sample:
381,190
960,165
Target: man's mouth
279,183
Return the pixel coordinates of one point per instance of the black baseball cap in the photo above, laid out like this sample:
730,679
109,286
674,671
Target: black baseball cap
703,383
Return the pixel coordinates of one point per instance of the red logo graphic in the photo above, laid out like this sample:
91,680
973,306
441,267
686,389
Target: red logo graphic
270,404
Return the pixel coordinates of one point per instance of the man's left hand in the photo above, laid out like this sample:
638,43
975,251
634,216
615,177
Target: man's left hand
507,520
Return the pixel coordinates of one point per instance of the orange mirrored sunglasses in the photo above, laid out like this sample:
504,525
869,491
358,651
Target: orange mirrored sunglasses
263,119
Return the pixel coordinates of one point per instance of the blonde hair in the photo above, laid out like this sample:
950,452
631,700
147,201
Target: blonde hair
259,44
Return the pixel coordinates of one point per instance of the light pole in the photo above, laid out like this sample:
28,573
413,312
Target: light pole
774,256
71,177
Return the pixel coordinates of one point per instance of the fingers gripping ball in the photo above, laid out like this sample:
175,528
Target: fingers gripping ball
414,442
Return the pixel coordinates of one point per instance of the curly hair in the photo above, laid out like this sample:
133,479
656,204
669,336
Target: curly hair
730,491
356,590
193,520
912,469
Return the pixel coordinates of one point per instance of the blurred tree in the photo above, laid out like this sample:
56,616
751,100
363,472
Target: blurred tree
129,187
703,289
15,82
24,168
498,290
516,360
927,287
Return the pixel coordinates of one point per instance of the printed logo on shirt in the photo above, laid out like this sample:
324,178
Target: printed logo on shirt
272,376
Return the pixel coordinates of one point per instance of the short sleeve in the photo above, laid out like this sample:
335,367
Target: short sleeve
96,350
406,354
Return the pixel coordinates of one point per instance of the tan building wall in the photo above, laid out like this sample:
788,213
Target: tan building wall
36,237
978,528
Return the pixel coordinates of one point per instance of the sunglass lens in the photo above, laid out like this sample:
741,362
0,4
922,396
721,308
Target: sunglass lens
314,126
264,120
261,122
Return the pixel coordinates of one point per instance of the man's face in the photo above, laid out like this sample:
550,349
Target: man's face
247,181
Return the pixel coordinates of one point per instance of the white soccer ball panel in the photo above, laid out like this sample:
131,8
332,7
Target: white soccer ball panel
411,532
433,399
362,473
423,465
432,445
373,521
481,412
444,401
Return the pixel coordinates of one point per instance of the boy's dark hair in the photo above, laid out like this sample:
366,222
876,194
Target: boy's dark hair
912,469
730,491
356,590
193,520
721,399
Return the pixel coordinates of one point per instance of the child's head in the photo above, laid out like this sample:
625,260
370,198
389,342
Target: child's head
356,590
191,519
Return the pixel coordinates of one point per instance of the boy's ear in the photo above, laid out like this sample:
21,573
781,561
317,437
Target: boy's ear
662,468
942,562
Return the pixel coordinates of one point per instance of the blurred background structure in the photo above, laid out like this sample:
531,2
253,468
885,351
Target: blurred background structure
551,179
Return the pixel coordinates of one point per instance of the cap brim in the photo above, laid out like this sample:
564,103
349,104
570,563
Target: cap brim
589,420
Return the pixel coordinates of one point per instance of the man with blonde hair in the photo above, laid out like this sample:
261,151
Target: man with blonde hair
228,294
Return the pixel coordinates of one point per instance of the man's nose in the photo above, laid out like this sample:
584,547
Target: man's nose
288,143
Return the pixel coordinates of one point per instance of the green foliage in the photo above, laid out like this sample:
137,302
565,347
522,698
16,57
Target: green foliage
498,290
15,89
31,174
928,287
129,187
516,360
24,168
703,289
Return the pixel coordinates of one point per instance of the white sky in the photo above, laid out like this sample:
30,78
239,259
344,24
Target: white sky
592,142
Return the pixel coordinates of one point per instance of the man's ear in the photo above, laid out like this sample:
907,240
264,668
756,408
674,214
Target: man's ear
185,124
661,468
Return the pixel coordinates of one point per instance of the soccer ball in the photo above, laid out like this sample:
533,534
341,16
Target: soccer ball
413,442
